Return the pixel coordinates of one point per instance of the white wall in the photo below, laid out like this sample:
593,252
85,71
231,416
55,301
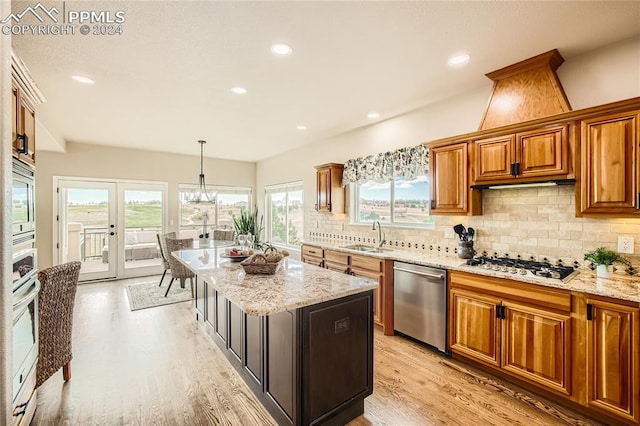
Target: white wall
602,76
95,161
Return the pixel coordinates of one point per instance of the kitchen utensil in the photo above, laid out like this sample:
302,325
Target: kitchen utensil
471,233
460,230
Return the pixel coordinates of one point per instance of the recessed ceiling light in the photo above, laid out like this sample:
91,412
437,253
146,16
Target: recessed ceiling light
459,59
281,49
373,115
82,79
301,127
239,90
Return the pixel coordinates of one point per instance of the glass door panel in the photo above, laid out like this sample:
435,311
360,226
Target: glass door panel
88,227
143,219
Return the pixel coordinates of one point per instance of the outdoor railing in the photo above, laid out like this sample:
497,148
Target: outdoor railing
94,239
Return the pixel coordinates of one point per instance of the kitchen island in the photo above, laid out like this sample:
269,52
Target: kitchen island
302,339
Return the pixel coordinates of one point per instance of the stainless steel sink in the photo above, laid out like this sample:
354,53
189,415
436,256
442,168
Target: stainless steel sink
365,248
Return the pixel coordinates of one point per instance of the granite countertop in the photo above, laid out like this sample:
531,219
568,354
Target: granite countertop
293,286
621,286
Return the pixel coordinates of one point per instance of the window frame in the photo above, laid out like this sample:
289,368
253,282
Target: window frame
354,207
286,188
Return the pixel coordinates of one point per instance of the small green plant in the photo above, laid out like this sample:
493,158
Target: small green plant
603,256
249,223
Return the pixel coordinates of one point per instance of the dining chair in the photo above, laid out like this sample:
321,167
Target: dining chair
224,234
55,319
178,270
163,252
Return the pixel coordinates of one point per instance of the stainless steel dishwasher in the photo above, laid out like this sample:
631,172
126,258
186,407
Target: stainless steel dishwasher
420,303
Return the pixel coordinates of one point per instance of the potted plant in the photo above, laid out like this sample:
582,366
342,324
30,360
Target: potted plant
603,259
249,223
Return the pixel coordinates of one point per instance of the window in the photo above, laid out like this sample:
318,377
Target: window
285,214
228,202
401,202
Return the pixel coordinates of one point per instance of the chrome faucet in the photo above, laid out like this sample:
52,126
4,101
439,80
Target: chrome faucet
381,235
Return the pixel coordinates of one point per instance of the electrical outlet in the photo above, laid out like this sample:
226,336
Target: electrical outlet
625,245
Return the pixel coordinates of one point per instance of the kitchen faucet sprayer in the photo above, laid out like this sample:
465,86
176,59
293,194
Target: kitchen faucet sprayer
381,235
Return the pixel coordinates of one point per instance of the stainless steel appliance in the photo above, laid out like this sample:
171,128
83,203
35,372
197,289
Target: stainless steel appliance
25,287
25,346
420,303
23,203
520,266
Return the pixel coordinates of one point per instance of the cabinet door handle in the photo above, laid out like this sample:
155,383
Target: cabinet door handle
589,312
312,251
517,169
316,207
638,203
512,169
24,149
328,206
433,204
498,315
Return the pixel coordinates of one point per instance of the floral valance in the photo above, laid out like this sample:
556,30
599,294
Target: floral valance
408,162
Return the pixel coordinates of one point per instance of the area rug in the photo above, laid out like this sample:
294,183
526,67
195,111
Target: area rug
149,295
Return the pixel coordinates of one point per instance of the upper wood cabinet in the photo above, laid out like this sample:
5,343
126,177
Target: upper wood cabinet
450,191
23,126
613,359
330,193
609,183
524,157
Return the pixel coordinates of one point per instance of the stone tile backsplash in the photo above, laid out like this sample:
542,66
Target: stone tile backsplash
538,222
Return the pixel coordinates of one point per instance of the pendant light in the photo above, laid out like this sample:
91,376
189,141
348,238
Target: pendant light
202,195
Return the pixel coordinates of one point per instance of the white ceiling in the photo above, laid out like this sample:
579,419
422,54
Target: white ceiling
165,83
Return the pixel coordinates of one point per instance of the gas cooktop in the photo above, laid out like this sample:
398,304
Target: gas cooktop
523,267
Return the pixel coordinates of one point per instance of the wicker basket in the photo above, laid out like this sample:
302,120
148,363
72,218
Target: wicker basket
262,263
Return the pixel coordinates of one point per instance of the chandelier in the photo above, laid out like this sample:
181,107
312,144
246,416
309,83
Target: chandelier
201,195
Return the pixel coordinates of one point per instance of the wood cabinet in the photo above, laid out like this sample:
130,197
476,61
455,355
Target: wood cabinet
528,156
330,193
336,261
23,126
609,183
313,255
613,364
450,190
521,329
372,268
380,270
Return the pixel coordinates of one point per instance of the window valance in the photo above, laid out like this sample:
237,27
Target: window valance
408,162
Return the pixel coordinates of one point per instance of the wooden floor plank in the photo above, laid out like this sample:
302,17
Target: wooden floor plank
157,366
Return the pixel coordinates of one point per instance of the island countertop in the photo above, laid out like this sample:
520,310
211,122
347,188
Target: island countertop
293,286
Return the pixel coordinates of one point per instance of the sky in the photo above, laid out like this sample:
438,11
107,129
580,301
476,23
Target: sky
411,190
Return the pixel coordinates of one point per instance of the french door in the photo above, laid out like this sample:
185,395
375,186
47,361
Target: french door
110,226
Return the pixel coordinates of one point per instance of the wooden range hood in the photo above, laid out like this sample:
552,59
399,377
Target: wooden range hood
525,91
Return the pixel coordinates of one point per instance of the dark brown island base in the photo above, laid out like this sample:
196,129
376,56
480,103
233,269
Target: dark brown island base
302,339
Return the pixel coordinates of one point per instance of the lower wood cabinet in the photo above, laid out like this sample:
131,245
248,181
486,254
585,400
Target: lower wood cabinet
313,255
372,268
613,351
569,345
511,329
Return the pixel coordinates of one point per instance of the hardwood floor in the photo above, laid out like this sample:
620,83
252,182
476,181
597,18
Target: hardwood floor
157,367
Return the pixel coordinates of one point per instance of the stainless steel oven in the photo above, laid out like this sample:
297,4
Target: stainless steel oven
25,344
25,263
23,202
